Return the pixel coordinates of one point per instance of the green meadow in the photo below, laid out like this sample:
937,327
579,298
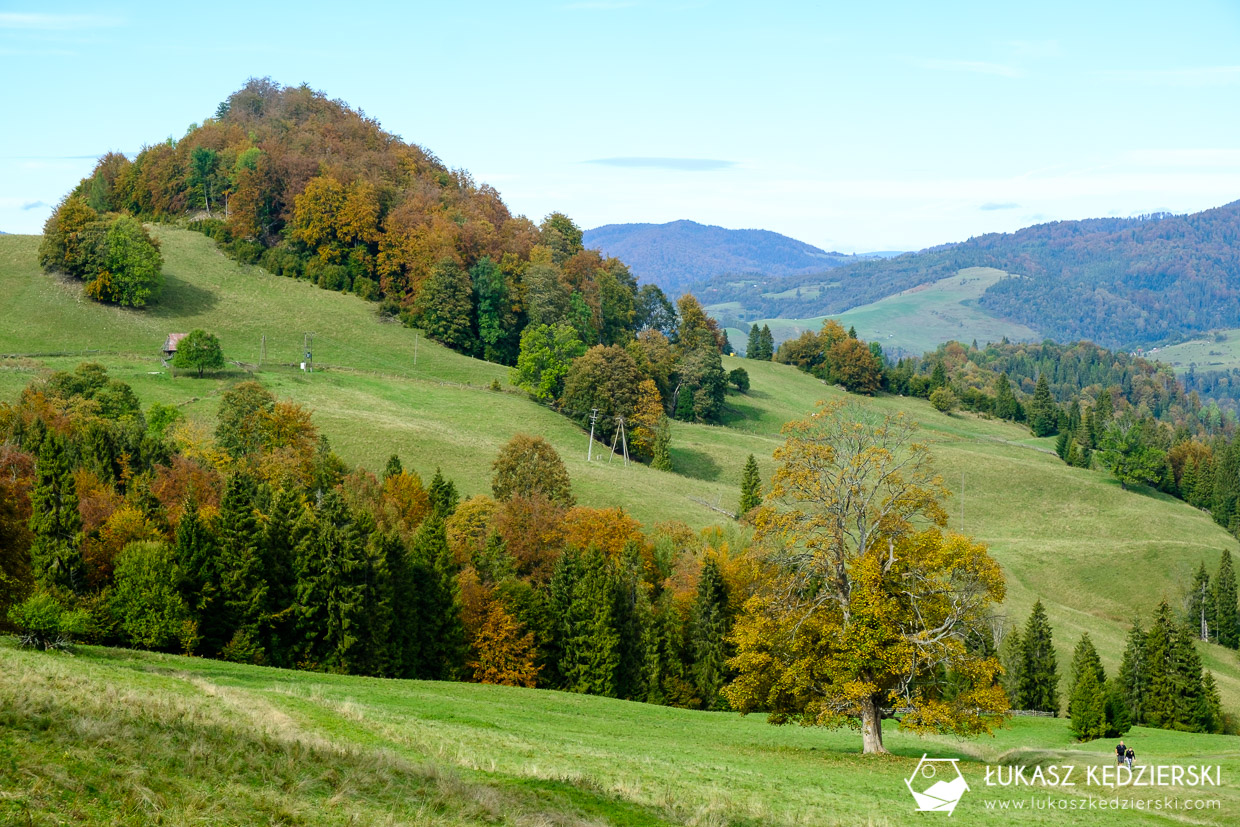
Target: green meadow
1219,350
109,736
918,319
319,749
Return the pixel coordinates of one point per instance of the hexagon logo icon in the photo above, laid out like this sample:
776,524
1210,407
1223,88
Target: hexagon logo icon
936,784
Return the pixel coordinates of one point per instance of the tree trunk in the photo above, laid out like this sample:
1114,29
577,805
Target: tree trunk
871,727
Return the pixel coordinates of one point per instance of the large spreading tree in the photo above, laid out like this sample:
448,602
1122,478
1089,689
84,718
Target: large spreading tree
866,604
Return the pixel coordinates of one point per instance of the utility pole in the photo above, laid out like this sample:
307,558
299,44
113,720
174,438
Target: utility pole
614,440
309,343
624,441
590,447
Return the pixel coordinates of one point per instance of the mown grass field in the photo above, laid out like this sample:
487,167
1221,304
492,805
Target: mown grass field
1219,350
919,319
1094,554
109,736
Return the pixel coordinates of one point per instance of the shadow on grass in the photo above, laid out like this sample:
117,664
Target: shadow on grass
180,299
696,464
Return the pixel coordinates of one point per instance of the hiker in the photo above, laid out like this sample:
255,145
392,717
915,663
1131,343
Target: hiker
1130,757
1120,752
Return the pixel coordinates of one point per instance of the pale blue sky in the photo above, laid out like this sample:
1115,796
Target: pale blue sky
853,126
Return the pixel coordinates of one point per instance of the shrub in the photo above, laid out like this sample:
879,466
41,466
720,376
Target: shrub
45,622
944,400
740,378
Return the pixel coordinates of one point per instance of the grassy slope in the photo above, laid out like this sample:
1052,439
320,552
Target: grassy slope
115,737
1094,554
1203,354
920,319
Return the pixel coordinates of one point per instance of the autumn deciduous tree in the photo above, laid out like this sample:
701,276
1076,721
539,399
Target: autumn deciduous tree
504,655
527,466
862,605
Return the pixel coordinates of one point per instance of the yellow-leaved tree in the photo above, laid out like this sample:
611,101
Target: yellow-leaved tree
865,607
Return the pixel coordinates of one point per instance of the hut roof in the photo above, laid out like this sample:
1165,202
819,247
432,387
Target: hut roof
170,344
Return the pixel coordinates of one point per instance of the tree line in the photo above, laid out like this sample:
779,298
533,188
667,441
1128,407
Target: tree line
1160,683
254,542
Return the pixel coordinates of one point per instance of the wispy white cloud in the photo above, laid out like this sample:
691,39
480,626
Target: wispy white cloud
55,22
685,164
34,205
977,67
991,206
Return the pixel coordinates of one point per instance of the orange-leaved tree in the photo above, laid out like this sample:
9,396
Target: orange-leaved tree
866,606
505,654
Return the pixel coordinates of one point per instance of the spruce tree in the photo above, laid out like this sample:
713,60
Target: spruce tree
1039,686
768,343
1134,674
1005,400
393,467
938,377
1043,413
55,553
1199,608
592,645
709,626
754,346
238,624
751,487
1225,610
1087,707
441,632
1085,659
1012,658
281,538
443,495
195,555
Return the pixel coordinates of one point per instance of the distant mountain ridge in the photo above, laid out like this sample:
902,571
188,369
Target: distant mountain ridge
681,253
1119,282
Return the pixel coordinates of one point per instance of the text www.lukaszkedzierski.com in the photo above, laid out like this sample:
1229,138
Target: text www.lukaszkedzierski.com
1046,803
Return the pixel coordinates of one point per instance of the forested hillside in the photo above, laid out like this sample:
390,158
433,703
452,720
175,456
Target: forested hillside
679,254
1120,282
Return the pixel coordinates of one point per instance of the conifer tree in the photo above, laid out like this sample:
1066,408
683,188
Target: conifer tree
938,377
592,645
443,495
753,348
195,552
1225,610
281,538
1085,659
1005,400
564,576
1134,674
1043,413
393,467
709,626
55,553
1039,686
1012,658
1199,609
239,611
1087,707
441,633
751,487
768,343
627,591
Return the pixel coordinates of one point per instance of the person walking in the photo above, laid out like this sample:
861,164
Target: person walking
1130,757
1121,752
